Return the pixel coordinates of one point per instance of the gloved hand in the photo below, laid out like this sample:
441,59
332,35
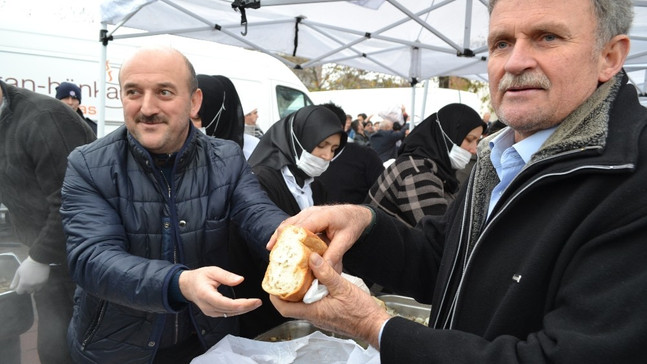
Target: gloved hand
30,276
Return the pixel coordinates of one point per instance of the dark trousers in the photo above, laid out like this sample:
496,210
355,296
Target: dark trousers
54,305
10,350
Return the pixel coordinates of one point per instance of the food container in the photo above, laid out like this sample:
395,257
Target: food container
402,306
406,307
296,329
16,311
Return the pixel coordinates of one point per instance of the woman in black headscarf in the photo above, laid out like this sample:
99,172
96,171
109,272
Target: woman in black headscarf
292,152
221,113
422,180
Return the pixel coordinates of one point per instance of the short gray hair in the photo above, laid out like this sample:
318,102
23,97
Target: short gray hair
614,17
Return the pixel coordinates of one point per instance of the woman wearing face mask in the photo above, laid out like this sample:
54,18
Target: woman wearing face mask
422,180
292,152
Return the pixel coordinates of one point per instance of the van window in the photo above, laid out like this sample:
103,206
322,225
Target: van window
290,100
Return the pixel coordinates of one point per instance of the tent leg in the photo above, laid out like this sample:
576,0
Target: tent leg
101,124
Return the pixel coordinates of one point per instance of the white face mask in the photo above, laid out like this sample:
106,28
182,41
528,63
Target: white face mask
312,165
458,156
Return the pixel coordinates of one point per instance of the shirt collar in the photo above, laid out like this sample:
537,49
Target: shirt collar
525,148
292,181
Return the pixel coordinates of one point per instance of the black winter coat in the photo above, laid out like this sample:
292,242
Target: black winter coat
37,133
556,274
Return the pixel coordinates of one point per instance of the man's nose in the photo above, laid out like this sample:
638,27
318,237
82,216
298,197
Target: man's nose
521,57
149,104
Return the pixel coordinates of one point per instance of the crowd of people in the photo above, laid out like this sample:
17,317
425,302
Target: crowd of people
525,234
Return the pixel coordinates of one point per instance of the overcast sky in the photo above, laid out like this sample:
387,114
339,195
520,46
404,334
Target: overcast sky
35,10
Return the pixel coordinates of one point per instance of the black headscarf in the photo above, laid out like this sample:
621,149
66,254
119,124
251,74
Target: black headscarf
426,140
311,125
221,111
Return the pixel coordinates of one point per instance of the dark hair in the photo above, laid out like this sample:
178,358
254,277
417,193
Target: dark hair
354,125
338,111
363,115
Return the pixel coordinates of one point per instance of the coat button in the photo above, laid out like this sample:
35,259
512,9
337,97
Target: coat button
182,223
167,225
151,343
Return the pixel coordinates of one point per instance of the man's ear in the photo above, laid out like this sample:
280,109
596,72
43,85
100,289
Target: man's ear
196,102
613,56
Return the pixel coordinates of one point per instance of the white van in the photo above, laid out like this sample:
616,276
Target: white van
39,57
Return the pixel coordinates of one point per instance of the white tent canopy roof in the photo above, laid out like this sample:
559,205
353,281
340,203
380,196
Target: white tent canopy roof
413,39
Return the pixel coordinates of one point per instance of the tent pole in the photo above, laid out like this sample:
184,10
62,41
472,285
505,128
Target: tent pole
413,106
101,125
424,100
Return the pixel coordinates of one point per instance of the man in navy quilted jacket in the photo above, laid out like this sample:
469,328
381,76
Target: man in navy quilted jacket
147,211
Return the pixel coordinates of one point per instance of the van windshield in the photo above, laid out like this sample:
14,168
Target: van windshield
290,100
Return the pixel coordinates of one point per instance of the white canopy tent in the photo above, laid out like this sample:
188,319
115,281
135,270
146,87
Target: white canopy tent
413,39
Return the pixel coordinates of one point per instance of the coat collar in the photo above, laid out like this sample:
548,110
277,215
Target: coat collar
586,128
182,158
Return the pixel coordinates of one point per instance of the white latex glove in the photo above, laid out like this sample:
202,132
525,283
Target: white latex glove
30,276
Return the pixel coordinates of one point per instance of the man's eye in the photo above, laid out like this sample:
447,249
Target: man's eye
165,93
500,45
550,37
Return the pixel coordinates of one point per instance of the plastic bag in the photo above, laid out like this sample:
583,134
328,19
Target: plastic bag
315,348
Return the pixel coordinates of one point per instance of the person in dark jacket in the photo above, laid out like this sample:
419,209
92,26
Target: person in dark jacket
384,140
37,133
352,172
359,137
70,94
147,212
422,179
548,269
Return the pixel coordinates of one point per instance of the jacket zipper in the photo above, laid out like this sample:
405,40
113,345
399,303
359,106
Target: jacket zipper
95,326
449,279
176,323
452,309
176,319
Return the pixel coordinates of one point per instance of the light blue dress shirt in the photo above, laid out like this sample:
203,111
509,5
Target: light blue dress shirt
509,157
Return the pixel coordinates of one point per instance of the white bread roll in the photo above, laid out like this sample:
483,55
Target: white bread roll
288,275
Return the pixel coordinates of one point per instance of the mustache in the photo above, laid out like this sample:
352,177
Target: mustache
155,118
524,80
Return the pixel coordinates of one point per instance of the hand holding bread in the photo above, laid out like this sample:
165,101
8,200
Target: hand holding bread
288,275
333,312
341,224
